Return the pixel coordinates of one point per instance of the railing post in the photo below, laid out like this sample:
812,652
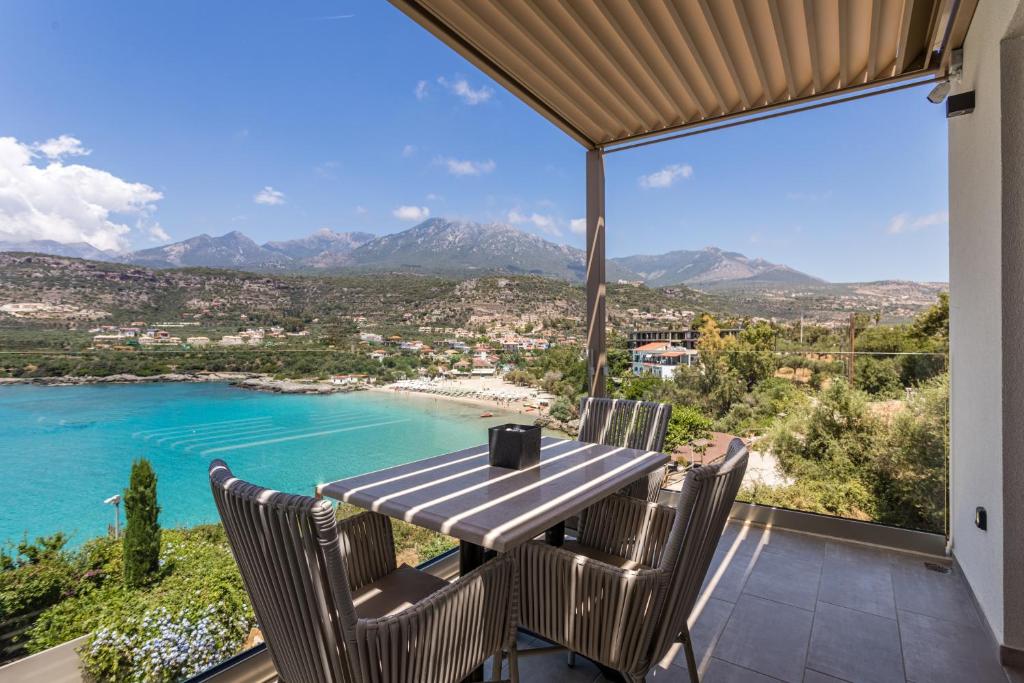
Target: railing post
597,354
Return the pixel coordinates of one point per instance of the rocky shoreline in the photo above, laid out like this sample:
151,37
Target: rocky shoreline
242,380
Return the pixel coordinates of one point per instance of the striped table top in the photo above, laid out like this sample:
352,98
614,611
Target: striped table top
459,494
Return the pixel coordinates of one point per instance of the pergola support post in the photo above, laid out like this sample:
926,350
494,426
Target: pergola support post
597,353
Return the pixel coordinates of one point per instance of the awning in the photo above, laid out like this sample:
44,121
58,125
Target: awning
612,71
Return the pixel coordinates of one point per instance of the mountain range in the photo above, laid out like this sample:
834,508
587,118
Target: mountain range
440,246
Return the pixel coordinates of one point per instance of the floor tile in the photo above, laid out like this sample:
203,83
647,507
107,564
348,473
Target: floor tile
726,575
812,676
939,650
768,637
855,646
857,578
554,667
714,614
785,578
924,591
806,547
723,672
743,538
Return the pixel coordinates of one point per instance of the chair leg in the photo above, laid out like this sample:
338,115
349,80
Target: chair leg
691,661
570,658
496,662
513,662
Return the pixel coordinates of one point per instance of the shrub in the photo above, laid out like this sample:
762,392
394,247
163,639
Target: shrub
142,532
879,377
34,576
687,423
194,614
912,461
561,409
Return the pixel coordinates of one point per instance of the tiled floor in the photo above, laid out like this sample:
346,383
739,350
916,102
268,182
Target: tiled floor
783,606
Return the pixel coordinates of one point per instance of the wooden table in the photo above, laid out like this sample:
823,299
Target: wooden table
493,509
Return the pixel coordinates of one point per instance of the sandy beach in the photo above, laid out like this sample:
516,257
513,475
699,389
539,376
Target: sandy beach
485,392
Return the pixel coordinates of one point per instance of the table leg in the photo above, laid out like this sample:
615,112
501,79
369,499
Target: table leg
472,556
555,535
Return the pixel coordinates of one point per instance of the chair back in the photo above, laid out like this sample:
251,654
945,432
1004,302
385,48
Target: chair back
632,424
288,550
618,422
704,505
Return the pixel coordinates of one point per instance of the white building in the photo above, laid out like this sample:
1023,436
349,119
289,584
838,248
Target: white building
660,359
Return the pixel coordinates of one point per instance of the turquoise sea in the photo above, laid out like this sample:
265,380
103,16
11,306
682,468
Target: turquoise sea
66,449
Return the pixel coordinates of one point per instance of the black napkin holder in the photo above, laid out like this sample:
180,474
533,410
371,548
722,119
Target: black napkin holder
514,446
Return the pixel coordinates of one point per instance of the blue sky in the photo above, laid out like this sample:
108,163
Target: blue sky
278,119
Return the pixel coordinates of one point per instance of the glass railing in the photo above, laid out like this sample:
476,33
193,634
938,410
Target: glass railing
863,436
68,572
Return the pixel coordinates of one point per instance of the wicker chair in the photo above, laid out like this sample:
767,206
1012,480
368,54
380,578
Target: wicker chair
622,593
334,608
633,424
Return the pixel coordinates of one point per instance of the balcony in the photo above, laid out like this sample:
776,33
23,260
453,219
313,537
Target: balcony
785,605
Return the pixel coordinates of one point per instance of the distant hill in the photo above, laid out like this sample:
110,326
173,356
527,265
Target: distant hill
233,250
711,267
72,249
323,249
445,247
222,296
436,246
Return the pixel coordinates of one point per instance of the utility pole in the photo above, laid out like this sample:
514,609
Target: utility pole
801,330
851,357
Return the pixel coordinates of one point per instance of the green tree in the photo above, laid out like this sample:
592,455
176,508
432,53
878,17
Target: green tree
686,424
934,322
752,354
912,461
879,377
142,531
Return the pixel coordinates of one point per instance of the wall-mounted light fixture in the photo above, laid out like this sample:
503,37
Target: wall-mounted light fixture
956,73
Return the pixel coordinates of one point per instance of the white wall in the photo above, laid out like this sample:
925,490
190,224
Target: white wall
976,313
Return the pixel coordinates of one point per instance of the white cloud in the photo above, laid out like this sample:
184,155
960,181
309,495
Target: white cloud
666,176
408,151
578,226
67,202
434,197
542,222
157,234
269,196
462,167
905,222
62,146
361,210
465,91
421,90
411,213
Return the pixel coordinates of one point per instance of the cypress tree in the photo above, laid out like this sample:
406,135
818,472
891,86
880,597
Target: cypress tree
142,531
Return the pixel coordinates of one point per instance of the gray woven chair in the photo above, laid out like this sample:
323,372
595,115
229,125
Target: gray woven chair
633,424
622,593
333,607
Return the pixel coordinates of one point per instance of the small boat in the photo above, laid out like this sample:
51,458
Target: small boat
488,414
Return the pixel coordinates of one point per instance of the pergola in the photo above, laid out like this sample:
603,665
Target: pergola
618,74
